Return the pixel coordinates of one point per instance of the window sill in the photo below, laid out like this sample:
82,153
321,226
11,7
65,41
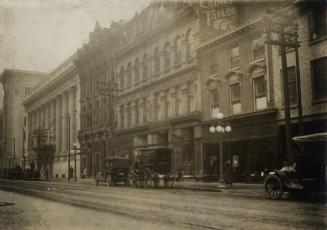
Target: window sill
234,68
261,60
319,101
313,42
291,107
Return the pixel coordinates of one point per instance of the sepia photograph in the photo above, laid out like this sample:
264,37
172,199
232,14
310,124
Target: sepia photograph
163,114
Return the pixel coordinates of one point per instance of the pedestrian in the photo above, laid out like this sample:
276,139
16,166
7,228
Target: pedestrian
71,172
228,173
32,165
180,174
47,173
85,173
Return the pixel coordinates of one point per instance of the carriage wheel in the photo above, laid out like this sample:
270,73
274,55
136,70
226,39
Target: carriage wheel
274,187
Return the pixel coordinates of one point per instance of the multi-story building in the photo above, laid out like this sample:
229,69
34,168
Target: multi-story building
159,97
242,78
52,121
98,122
17,84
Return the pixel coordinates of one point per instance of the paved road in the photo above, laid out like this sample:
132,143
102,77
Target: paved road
165,208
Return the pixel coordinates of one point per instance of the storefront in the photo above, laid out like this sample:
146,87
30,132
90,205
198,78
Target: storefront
251,147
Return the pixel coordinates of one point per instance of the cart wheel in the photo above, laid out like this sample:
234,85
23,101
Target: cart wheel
274,187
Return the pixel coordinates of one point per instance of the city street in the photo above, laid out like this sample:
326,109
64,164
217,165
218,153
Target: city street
99,207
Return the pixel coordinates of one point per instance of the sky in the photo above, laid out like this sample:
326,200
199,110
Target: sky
38,35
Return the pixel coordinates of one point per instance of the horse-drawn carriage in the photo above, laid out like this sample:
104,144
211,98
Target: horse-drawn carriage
116,170
153,166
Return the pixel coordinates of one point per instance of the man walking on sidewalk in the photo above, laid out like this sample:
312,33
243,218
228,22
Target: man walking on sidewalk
71,172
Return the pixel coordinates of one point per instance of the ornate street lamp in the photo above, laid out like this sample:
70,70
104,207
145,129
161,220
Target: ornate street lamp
220,129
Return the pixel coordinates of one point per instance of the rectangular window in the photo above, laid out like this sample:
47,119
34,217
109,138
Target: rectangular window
214,101
178,107
319,78
258,49
213,68
234,55
190,104
260,93
317,21
166,109
235,95
121,116
137,114
156,110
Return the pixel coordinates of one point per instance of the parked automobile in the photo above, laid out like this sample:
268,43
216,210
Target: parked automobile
18,173
308,172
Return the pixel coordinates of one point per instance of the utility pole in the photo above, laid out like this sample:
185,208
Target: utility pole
286,33
14,146
38,148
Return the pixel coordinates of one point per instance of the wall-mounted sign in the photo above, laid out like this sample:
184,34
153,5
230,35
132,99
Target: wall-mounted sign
219,17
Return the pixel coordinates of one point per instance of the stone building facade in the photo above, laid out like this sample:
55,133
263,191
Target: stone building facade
159,97
97,135
17,84
52,121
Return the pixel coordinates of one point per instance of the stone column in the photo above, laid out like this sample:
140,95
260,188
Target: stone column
172,109
161,101
184,103
64,128
71,95
52,114
77,109
58,123
133,113
126,110
140,111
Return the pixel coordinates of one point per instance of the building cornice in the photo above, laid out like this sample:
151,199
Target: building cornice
42,90
229,34
172,24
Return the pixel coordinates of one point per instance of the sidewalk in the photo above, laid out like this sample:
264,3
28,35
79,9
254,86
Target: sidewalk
190,184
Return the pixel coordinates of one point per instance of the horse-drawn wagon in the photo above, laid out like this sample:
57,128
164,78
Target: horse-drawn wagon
153,165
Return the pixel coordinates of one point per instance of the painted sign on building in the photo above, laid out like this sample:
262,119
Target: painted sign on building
218,18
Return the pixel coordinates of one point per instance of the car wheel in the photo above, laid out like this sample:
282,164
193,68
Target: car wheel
274,187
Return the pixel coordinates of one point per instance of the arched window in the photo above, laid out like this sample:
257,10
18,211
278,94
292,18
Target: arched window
145,67
189,44
129,74
121,75
156,59
166,55
136,70
178,50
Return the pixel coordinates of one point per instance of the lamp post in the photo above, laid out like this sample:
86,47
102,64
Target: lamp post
75,148
68,117
221,128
